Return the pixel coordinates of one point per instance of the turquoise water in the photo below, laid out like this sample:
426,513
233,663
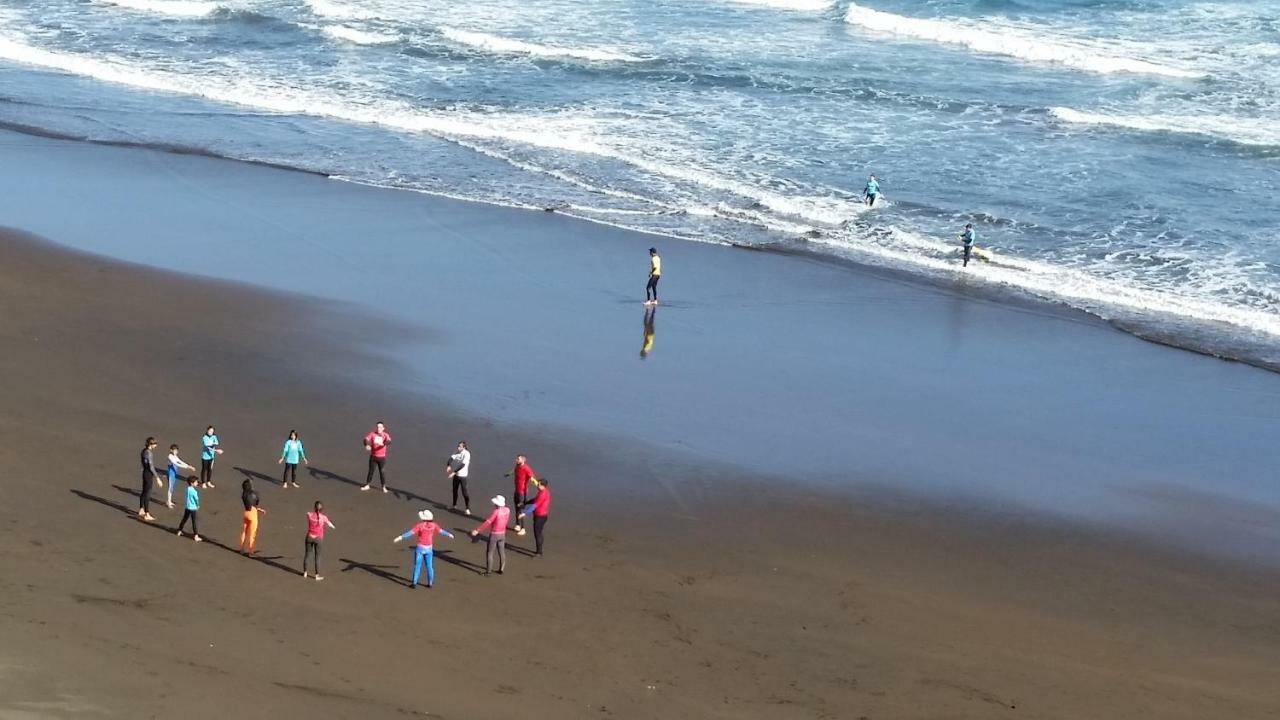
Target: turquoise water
1121,157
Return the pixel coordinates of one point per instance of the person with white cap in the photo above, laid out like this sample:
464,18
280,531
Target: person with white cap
425,531
496,524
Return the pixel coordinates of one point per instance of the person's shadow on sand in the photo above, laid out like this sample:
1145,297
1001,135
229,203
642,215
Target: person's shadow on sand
375,570
255,475
132,513
319,474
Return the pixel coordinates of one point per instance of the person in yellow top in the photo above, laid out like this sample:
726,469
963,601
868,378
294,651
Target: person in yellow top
655,274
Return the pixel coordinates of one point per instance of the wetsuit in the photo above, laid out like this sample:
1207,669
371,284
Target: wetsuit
968,236
871,191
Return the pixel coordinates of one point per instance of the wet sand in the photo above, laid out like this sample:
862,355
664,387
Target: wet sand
831,377
667,591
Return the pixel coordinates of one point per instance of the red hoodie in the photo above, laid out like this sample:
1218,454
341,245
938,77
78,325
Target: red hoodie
542,502
378,450
496,522
522,474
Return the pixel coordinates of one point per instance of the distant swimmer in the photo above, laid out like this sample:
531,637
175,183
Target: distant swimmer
655,274
968,237
871,192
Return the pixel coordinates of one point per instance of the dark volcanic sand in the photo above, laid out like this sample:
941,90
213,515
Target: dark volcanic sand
673,599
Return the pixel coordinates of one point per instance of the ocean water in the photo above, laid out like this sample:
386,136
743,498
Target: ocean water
1120,156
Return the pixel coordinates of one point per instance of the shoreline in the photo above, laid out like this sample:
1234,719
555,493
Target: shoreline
959,285
766,602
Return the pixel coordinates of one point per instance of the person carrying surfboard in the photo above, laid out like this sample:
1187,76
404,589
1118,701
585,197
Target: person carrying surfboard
968,237
871,191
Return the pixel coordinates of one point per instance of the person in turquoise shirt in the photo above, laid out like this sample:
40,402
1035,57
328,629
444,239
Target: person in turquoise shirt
871,191
211,450
289,456
968,237
192,507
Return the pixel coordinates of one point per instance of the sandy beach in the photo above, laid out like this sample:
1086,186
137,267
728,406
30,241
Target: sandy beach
681,580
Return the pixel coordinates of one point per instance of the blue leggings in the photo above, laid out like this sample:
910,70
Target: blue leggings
423,555
173,479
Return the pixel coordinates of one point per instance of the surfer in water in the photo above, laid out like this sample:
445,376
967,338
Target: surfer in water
968,237
871,192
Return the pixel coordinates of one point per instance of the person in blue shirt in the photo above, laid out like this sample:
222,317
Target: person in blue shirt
968,237
192,507
871,191
289,456
211,450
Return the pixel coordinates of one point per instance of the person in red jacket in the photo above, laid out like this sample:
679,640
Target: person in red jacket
425,531
522,474
375,443
540,507
496,524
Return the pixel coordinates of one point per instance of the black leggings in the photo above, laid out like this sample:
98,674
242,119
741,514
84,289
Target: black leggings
651,290
206,471
309,548
195,529
378,463
144,497
539,521
289,469
518,500
460,483
968,250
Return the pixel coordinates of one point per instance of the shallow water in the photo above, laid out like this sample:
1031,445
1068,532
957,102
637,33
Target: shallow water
1120,156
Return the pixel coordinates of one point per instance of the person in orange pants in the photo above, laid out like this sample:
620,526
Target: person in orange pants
249,526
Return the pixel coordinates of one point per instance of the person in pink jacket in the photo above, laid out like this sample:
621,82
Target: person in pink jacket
496,524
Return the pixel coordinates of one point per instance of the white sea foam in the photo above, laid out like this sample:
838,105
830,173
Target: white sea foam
1245,131
510,46
339,11
994,38
1106,298
177,8
357,36
803,5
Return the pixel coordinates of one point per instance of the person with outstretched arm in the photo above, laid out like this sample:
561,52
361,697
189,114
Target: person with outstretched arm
968,237
375,443
210,450
871,192
317,521
540,508
175,464
521,474
149,477
249,522
458,468
496,524
192,509
425,531
292,452
655,274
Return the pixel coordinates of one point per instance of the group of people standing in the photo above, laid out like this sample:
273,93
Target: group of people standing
525,500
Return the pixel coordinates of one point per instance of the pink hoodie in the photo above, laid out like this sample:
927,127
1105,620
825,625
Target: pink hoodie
497,521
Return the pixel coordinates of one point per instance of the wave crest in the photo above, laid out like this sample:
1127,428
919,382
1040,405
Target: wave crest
176,8
1244,131
806,5
509,46
1014,42
359,37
